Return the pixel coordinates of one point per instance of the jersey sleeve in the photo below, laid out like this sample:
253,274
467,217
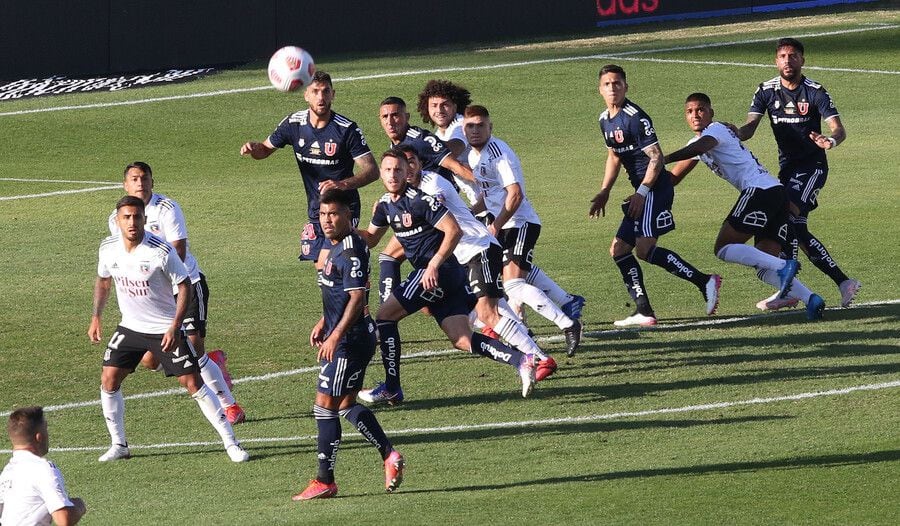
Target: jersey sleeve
356,142
825,104
758,106
433,149
642,130
174,267
719,132
379,216
354,268
282,135
510,172
174,226
113,227
102,270
53,489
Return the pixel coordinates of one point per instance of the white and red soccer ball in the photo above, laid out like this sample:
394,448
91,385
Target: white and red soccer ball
291,68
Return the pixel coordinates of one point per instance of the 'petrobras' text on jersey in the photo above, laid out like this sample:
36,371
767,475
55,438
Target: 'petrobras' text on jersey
412,218
323,154
627,134
794,114
346,269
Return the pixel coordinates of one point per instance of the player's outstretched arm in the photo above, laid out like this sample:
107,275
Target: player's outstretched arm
449,162
838,134
70,515
610,173
681,169
257,150
101,294
746,131
701,146
372,235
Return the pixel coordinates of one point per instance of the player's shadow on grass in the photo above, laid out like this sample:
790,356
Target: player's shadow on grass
821,461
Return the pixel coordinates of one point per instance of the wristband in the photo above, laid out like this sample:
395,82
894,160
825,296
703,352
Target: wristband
833,142
643,190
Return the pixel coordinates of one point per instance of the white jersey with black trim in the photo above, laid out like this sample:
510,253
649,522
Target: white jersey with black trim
495,168
731,161
166,220
144,281
31,489
475,236
454,130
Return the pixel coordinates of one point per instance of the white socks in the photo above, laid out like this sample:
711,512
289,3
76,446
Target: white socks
539,279
519,291
212,376
517,336
213,412
798,289
749,256
113,405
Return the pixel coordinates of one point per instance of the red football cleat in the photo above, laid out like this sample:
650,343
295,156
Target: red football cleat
219,356
235,414
317,490
393,471
545,368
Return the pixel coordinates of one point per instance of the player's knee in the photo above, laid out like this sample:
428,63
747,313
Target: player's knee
643,251
191,382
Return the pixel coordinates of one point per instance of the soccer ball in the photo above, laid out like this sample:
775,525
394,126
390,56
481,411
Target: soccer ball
291,68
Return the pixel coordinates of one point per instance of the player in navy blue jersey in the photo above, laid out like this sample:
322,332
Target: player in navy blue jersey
345,339
796,106
435,156
632,143
327,147
429,234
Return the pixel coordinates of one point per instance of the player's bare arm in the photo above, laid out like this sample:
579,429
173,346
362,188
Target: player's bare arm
172,335
101,295
366,172
69,515
512,202
703,145
372,235
317,334
257,150
654,167
681,169
838,134
610,173
351,313
452,234
449,162
180,248
456,147
746,131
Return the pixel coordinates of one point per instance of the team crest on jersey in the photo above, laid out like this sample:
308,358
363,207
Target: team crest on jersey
154,227
330,148
328,268
619,136
803,107
301,142
145,267
407,219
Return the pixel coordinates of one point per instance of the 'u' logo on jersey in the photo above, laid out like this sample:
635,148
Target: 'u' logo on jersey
330,148
619,136
407,220
802,107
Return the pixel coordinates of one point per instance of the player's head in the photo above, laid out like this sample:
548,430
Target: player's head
394,118
612,84
335,216
319,94
477,125
394,169
27,429
789,59
440,101
138,180
414,176
698,111
130,218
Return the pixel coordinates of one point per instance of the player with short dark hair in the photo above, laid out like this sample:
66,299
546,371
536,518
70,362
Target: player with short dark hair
32,490
345,340
145,269
165,219
631,142
327,147
797,105
760,211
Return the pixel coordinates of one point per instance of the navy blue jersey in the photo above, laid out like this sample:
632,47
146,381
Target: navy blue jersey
429,149
413,217
794,114
322,153
346,269
627,134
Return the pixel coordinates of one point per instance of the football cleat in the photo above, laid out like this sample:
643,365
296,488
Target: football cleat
237,454
636,319
815,307
116,452
219,356
544,368
526,373
573,308
711,293
317,490
573,337
849,288
393,471
775,303
786,276
380,395
235,414
490,332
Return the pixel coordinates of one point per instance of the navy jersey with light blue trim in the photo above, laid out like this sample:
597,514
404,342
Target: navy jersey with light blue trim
429,149
322,154
412,218
627,134
793,115
346,269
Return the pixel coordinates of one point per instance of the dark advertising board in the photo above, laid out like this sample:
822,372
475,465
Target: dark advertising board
618,12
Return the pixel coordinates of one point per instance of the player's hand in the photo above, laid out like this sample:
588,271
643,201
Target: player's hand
326,350
822,141
492,229
317,336
170,340
635,205
598,204
430,278
734,129
328,184
95,331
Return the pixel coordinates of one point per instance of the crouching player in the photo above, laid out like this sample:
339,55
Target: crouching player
345,339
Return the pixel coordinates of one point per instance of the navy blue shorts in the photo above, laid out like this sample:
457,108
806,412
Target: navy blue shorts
761,212
656,220
451,297
346,371
803,183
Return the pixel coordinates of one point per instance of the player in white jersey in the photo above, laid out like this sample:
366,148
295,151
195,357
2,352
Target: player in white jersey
480,252
517,226
761,210
144,269
166,220
32,490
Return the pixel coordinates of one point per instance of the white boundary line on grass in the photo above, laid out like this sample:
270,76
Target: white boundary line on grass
623,56
444,352
527,423
61,192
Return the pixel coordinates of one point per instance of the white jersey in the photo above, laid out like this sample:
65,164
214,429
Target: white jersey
455,131
144,280
475,236
31,489
731,161
166,220
495,168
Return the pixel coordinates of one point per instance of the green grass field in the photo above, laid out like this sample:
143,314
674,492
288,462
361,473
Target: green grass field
706,421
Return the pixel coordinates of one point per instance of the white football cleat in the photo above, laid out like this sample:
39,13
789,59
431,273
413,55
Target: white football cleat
116,452
636,319
711,293
849,288
526,373
773,303
236,453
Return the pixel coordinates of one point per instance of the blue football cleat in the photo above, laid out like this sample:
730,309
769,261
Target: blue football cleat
815,307
573,308
786,276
